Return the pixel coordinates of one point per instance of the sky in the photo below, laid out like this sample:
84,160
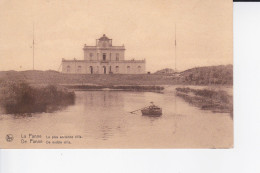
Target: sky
204,31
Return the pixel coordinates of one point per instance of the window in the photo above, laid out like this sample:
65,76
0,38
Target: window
91,69
90,56
68,68
105,69
104,57
139,69
104,44
128,69
117,69
79,69
117,57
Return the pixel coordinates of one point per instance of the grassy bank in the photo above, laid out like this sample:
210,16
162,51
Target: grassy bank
53,77
23,98
213,75
215,100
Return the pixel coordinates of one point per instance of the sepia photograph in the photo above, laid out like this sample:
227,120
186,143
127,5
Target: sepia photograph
130,74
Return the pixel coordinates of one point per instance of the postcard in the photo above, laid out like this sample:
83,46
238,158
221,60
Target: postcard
116,74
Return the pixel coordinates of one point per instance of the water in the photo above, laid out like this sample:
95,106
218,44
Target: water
103,120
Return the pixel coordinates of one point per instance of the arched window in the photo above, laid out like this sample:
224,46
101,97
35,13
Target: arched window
139,69
128,69
91,69
117,68
68,68
104,69
79,69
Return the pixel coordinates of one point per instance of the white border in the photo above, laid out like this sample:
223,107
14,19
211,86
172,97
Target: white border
245,157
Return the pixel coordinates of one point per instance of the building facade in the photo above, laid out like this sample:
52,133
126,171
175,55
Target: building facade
104,58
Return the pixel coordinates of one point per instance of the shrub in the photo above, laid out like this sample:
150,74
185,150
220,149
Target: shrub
22,98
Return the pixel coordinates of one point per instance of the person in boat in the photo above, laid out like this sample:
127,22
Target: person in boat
152,110
152,106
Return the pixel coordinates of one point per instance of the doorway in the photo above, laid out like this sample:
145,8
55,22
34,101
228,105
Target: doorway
105,69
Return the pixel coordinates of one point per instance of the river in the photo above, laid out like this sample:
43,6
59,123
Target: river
102,120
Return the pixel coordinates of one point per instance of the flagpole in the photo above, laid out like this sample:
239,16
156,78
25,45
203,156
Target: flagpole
33,45
175,48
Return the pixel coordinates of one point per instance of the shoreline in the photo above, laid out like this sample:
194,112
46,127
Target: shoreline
114,87
163,88
208,99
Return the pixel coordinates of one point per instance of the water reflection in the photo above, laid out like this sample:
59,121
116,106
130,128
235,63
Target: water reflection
104,120
103,99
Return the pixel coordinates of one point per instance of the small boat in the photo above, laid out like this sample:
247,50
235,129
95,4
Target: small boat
152,110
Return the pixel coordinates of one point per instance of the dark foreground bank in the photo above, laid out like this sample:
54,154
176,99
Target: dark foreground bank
214,100
18,98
